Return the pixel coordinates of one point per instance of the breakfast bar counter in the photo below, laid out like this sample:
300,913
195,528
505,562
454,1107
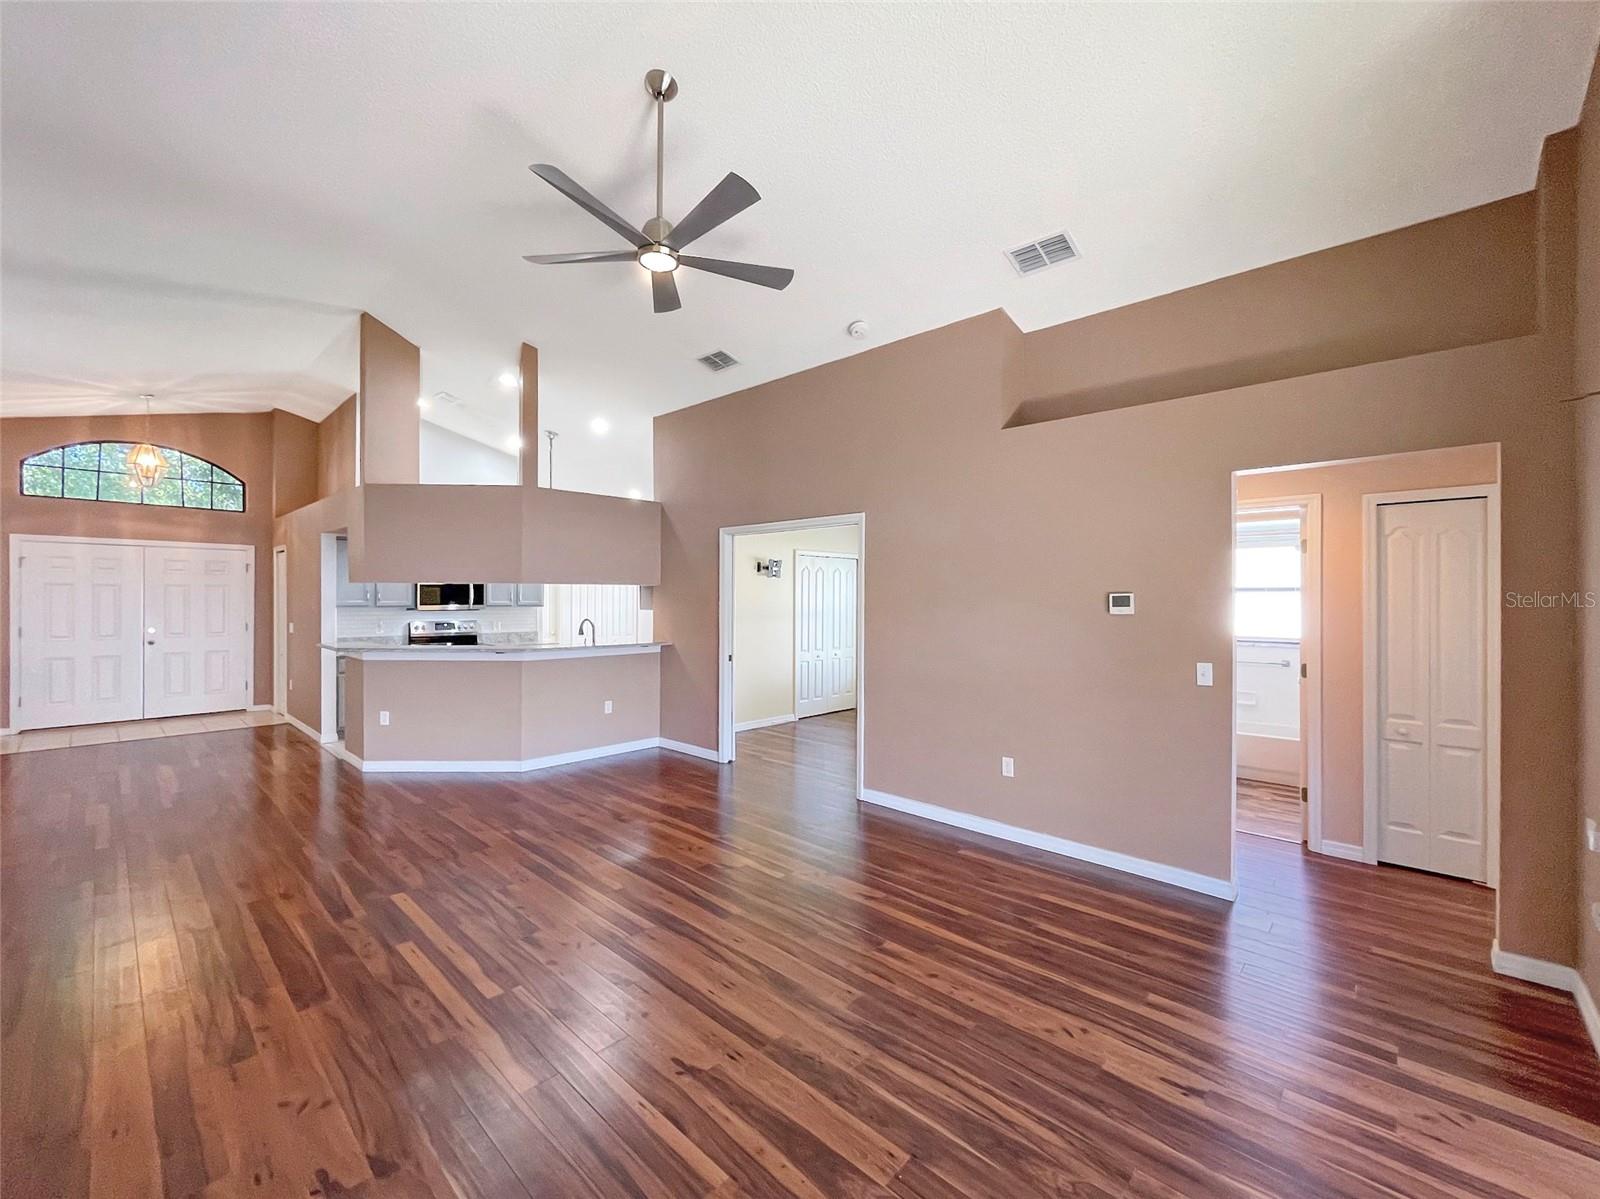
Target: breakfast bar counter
502,706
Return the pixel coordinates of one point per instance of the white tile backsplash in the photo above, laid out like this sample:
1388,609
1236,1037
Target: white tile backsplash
391,622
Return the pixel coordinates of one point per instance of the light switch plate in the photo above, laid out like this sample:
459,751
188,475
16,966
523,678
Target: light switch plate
608,707
383,716
1202,674
1591,834
1008,767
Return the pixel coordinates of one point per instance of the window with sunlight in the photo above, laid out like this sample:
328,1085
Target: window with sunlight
102,470
1266,580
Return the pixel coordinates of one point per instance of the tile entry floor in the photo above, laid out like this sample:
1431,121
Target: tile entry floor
133,730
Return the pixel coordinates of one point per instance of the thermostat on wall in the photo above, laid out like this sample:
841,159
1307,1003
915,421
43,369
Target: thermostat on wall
1119,603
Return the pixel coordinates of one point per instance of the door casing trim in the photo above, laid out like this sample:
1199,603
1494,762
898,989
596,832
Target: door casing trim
1370,503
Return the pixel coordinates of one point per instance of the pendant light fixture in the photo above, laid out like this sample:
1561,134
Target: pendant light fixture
146,464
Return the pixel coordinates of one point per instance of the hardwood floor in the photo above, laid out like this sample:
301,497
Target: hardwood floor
234,966
1268,810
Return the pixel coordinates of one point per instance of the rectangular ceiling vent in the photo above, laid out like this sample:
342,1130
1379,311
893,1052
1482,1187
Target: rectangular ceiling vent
718,360
1047,251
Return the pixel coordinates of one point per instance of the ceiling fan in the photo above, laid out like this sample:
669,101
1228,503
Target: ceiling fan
658,247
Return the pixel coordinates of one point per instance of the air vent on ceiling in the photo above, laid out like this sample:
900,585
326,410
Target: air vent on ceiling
1037,255
718,360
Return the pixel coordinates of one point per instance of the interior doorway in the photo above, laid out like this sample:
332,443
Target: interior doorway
280,629
1400,690
1277,622
791,604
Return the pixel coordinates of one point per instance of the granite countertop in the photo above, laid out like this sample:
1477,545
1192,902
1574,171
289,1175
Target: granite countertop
490,645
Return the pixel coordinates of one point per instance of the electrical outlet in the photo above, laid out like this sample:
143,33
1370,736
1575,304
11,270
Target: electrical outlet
291,684
291,626
608,707
1202,674
383,716
1008,767
1594,915
1591,835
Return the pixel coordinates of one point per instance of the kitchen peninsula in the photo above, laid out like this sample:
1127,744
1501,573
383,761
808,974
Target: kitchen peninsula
501,706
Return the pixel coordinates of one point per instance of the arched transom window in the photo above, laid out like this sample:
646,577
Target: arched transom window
98,470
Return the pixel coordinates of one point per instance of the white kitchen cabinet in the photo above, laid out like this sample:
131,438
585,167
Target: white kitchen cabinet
392,595
530,595
499,595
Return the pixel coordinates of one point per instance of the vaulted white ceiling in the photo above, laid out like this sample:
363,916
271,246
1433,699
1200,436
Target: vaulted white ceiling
198,198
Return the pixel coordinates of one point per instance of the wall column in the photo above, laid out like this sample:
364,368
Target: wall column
388,423
528,416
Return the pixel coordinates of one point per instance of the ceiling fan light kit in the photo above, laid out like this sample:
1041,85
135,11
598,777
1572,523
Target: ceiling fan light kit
658,246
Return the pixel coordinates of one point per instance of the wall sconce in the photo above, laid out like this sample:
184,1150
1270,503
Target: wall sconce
772,568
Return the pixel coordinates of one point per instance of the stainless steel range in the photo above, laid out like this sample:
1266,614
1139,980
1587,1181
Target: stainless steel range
442,632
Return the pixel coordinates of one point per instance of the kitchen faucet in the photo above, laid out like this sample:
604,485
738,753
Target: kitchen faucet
590,623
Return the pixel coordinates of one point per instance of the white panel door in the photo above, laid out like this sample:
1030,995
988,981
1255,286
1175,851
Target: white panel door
1432,686
198,646
824,633
77,627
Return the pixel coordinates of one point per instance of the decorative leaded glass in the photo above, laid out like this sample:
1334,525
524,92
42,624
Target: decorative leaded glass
98,470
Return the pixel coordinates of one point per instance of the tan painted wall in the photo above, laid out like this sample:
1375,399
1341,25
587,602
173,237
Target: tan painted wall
336,450
1019,533
499,711
1342,488
388,430
1586,371
763,623
239,443
1459,280
294,461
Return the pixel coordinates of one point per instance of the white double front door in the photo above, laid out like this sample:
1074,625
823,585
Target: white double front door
108,630
824,633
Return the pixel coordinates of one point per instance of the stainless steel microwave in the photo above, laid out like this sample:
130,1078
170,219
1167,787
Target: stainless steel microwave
448,597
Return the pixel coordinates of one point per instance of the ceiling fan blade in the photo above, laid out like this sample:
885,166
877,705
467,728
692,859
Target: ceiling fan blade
664,291
586,256
727,199
776,277
563,183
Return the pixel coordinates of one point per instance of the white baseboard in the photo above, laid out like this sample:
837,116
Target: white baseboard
744,726
694,751
262,708
305,728
515,766
5,732
338,750
1554,975
1342,849
1159,871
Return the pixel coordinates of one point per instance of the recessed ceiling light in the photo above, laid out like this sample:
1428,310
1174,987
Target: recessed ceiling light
513,443
635,494
508,379
599,426
422,402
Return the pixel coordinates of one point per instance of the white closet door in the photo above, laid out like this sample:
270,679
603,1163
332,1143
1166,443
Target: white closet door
77,634
1432,686
198,647
824,633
